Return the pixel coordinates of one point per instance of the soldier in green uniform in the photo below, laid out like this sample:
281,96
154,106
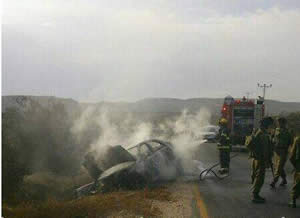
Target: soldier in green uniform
295,160
251,155
261,151
282,139
224,146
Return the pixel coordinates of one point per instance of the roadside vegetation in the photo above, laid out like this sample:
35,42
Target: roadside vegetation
294,122
42,166
115,204
33,141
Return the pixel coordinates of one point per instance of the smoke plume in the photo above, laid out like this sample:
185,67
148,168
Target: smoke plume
183,130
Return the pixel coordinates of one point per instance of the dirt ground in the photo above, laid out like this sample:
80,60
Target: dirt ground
178,204
166,200
181,206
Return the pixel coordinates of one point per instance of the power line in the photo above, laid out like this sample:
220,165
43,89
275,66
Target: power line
248,94
264,87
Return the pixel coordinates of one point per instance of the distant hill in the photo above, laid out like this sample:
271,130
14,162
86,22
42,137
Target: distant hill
149,105
21,102
276,107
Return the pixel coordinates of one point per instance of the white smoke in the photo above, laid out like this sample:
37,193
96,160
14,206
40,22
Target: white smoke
187,129
113,129
183,131
82,122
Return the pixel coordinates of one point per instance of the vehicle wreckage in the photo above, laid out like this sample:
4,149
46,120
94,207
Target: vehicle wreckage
148,162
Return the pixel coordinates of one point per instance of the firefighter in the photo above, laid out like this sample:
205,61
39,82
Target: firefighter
282,139
295,160
261,152
224,146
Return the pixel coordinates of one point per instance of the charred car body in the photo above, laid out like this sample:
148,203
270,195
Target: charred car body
147,162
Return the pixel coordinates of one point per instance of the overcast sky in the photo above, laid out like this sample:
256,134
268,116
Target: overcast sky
94,50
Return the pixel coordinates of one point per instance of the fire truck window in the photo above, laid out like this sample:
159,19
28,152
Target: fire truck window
244,113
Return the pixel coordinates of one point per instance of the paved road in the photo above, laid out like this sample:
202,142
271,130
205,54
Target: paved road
230,198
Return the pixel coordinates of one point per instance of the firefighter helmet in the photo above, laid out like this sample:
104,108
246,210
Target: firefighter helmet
223,121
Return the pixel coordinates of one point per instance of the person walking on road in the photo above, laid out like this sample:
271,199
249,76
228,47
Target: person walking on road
295,160
250,154
260,147
224,146
282,139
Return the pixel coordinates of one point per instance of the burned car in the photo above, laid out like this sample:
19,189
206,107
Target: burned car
150,161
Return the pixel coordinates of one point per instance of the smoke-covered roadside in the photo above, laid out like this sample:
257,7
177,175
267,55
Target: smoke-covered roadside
186,130
188,137
44,145
36,139
183,131
112,128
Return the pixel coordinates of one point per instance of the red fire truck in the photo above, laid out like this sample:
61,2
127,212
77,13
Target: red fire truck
243,116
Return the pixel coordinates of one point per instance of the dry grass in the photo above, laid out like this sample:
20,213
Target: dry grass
101,205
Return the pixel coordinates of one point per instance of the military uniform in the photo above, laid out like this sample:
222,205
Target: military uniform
251,155
252,170
295,160
261,154
282,139
224,149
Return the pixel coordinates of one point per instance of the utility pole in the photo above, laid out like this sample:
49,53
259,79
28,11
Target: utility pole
248,95
264,87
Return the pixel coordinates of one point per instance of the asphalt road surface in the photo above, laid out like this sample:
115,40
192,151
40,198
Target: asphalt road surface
231,197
